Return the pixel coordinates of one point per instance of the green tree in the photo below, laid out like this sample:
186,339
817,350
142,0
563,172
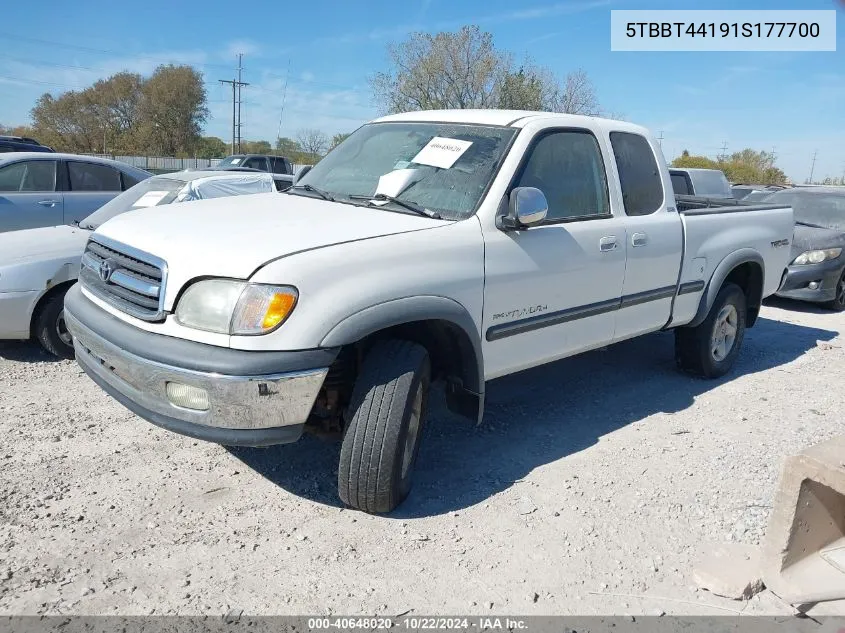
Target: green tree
211,147
173,109
694,162
337,139
464,69
256,147
287,146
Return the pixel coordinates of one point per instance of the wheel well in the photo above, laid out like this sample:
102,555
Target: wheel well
749,277
52,292
451,352
449,348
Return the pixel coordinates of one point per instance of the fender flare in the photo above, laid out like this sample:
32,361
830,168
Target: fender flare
717,279
407,310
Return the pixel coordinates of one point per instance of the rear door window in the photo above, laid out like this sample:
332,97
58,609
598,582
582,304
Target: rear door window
93,177
680,184
256,163
29,175
642,189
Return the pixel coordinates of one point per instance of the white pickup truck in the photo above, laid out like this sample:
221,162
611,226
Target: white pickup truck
441,245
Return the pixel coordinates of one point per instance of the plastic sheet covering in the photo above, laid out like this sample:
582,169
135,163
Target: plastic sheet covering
219,186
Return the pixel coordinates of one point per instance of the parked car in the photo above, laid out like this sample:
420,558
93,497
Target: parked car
459,245
283,182
48,189
21,144
261,162
755,192
706,183
817,269
37,266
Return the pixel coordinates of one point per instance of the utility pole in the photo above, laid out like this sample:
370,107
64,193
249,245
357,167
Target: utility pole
660,139
240,83
813,167
236,119
282,110
724,153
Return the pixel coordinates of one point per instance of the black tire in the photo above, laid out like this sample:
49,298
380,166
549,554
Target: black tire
838,303
694,346
49,327
372,476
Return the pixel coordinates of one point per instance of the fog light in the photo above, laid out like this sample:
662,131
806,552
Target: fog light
813,285
187,396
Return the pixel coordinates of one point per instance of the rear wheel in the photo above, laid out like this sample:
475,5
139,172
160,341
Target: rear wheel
387,415
710,348
838,302
50,329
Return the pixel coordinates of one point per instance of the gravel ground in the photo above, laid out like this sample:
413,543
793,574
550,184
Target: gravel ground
592,488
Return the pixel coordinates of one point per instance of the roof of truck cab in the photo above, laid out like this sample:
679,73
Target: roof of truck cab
509,118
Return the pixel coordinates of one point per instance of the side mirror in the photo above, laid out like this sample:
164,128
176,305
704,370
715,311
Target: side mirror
302,171
527,206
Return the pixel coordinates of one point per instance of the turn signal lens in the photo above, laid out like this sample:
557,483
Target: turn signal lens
261,309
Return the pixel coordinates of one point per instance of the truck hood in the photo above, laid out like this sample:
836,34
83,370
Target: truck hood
42,243
233,237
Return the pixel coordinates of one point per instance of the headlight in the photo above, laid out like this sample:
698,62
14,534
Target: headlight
816,257
235,307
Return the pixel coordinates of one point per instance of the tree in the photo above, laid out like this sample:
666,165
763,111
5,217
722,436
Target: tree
465,70
126,113
256,147
445,70
312,142
287,146
747,166
211,147
694,162
174,109
337,139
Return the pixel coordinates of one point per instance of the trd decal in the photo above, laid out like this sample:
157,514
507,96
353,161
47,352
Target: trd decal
779,243
520,313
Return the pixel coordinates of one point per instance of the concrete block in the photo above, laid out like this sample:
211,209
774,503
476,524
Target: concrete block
804,554
731,570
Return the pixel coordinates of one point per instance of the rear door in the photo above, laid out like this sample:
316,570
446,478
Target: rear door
28,196
88,186
653,237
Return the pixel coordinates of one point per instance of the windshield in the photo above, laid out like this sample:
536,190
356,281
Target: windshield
825,209
231,161
147,193
439,166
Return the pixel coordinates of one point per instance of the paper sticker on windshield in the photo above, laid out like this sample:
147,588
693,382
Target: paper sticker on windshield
149,199
441,152
235,161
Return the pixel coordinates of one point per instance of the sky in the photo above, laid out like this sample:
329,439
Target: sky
308,65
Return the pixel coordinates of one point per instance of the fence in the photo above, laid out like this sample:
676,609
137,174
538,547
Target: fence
165,164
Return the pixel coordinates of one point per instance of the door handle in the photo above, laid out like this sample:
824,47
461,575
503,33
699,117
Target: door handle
639,239
608,243
48,203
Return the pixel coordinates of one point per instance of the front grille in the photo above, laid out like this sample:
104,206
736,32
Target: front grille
130,280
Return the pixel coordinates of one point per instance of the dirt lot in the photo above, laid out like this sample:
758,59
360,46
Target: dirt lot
591,488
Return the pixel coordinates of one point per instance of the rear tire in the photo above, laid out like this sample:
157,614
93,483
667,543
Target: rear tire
838,303
710,349
49,327
387,415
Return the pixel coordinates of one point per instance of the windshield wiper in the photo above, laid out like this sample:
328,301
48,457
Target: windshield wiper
319,192
408,204
815,226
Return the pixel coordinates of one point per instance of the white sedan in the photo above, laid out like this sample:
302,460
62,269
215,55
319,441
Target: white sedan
37,266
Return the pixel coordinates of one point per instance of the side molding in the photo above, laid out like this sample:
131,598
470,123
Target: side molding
737,258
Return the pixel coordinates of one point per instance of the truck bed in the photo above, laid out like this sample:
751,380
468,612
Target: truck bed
692,205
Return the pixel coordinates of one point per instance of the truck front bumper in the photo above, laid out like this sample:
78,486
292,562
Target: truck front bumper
236,397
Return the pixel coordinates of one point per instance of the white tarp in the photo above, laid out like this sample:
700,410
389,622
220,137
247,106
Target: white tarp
219,186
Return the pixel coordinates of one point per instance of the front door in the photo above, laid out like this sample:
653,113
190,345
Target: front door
28,197
552,290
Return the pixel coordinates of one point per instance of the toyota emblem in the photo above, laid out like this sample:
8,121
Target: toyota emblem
106,269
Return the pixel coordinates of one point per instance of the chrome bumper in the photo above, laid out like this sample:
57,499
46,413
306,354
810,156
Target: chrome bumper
241,404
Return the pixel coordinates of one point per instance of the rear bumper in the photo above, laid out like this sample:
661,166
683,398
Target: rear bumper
795,283
244,407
